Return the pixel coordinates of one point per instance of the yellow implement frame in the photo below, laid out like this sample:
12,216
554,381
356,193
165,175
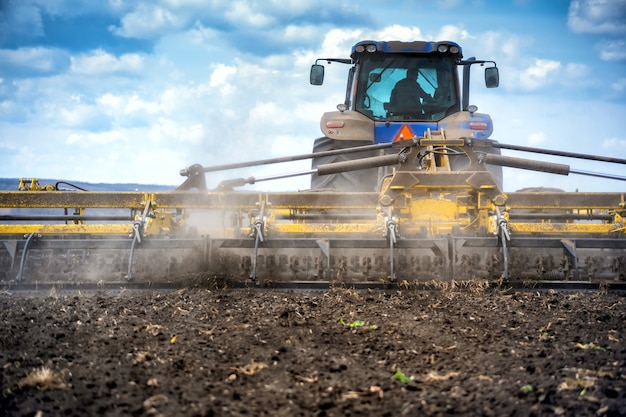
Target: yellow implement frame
436,213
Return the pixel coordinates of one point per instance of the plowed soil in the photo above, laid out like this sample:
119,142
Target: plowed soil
201,352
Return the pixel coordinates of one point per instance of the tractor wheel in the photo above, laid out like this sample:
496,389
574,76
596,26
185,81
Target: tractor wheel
362,180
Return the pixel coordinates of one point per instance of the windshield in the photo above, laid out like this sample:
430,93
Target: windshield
406,87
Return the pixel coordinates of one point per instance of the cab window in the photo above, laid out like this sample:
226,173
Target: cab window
379,75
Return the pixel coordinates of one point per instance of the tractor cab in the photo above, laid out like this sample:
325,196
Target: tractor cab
396,91
395,84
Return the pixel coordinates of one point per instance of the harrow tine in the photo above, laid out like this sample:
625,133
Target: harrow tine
257,233
136,234
31,237
391,235
257,237
504,238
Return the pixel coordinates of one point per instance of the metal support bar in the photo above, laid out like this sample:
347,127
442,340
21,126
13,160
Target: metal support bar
542,166
136,235
325,169
558,153
392,238
323,199
504,239
29,240
68,217
529,164
186,172
257,233
258,237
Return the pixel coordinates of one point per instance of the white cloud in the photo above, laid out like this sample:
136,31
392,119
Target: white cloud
614,144
101,62
223,78
294,7
338,42
169,132
111,103
241,13
452,33
90,138
128,110
597,16
203,35
10,110
183,99
7,145
294,33
537,75
613,50
507,47
76,116
149,21
577,70
266,114
38,59
124,105
537,138
619,85
602,17
136,104
399,33
575,75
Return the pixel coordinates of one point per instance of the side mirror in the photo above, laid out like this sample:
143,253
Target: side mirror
492,77
317,74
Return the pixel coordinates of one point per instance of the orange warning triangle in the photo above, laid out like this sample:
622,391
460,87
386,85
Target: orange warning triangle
405,133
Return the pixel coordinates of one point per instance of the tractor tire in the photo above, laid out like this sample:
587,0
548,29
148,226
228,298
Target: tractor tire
364,180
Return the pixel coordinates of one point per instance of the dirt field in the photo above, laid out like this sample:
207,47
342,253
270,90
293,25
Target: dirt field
200,352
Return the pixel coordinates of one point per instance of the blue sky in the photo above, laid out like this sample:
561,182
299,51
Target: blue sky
134,91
